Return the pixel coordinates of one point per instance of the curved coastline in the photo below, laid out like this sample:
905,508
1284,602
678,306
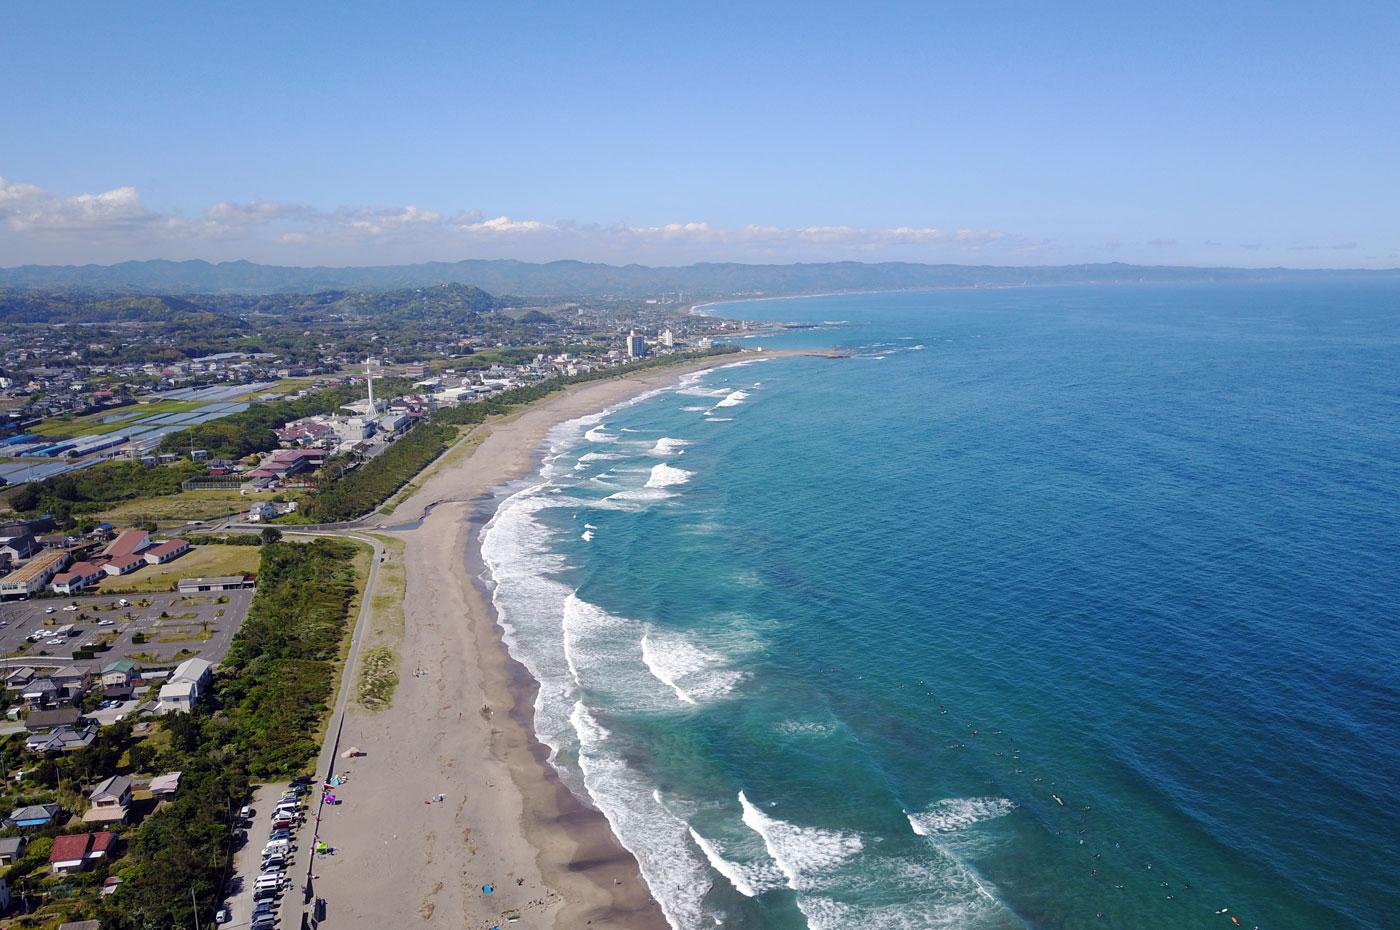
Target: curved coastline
462,724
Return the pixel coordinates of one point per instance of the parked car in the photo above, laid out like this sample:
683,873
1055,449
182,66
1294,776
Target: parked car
56,641
246,813
107,622
49,610
71,607
223,916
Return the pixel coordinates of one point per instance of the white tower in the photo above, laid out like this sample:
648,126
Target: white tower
369,379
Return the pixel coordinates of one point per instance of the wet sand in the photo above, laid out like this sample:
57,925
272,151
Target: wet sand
461,725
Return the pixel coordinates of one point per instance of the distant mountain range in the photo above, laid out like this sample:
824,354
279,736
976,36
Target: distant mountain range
584,279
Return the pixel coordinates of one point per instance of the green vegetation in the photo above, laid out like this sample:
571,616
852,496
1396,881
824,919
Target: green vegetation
358,492
94,489
203,561
283,659
93,424
249,432
261,721
378,677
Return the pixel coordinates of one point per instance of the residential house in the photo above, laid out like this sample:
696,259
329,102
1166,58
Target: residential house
261,511
35,815
40,692
18,548
110,800
167,551
62,739
118,673
164,787
80,575
73,851
42,721
185,686
72,680
11,848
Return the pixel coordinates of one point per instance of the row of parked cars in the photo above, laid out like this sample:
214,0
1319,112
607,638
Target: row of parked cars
268,887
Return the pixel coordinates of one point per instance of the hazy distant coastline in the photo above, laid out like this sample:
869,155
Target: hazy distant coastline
701,282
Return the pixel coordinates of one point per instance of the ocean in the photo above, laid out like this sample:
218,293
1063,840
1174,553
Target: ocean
1044,608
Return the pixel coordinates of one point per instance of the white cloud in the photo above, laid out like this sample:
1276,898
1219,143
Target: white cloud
26,208
124,226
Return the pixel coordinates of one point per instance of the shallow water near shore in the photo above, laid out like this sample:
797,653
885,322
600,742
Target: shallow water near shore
1045,608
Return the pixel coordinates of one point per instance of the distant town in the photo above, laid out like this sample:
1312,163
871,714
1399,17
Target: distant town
119,384
163,649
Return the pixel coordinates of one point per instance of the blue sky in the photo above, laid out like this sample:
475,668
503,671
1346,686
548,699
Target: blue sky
1190,133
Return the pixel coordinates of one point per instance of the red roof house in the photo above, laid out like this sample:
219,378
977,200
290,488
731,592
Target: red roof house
128,542
73,851
166,552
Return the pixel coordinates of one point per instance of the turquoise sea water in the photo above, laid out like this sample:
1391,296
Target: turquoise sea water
1049,608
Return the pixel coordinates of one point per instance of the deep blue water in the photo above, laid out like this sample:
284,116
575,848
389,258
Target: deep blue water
1048,608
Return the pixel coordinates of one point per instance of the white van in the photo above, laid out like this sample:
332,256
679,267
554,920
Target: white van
268,880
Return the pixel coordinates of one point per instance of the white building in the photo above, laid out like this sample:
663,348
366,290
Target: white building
261,511
185,686
636,345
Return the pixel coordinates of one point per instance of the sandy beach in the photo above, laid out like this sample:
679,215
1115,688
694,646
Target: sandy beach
460,726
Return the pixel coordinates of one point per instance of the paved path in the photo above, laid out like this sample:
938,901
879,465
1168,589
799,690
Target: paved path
300,882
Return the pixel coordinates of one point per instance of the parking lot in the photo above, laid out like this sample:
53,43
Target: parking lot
247,861
173,626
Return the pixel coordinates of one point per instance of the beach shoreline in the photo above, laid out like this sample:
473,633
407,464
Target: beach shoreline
461,725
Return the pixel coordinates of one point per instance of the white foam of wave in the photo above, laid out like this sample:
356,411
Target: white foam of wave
734,399
586,536
692,673
800,853
668,446
693,409
954,814
656,838
598,434
749,879
583,625
719,419
824,913
744,363
589,526
598,456
690,385
806,728
515,548
665,476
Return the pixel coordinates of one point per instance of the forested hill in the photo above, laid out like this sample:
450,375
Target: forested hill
582,279
454,304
